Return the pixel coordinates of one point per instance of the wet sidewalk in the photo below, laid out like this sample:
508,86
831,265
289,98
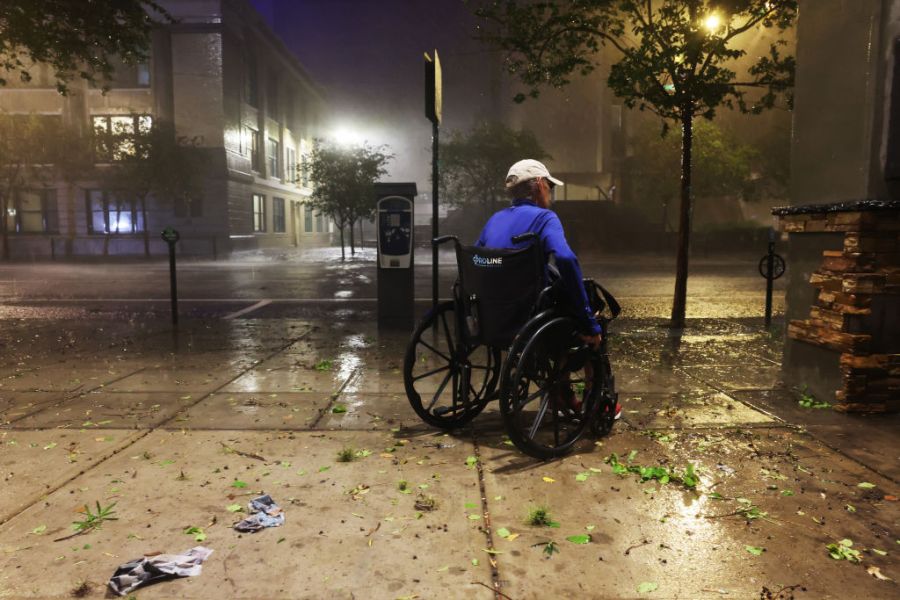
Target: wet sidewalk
180,431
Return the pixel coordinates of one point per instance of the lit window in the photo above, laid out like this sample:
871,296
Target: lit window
272,157
307,218
115,134
259,213
278,215
111,212
291,165
254,149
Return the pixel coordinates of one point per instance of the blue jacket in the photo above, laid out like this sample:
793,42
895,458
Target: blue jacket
524,216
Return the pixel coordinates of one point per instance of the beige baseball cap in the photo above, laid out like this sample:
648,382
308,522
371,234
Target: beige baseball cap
528,169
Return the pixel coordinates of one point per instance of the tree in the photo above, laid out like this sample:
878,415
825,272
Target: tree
24,158
343,178
677,59
148,159
474,162
83,37
724,166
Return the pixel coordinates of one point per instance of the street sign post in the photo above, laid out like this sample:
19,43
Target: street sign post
433,109
771,267
170,237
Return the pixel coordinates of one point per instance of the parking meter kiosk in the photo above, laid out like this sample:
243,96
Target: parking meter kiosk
395,227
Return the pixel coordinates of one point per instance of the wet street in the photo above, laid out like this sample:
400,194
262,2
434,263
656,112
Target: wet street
277,381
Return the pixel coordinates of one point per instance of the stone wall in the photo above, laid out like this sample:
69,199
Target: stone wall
857,300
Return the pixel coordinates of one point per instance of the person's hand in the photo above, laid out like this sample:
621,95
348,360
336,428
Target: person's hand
592,340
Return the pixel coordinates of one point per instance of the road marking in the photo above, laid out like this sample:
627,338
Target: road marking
244,311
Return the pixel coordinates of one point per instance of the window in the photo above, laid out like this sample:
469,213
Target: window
278,215
319,223
272,158
259,213
291,165
33,211
307,218
115,134
254,149
111,212
126,75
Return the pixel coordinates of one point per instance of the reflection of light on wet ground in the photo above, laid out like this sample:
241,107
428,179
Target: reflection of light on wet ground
349,361
343,294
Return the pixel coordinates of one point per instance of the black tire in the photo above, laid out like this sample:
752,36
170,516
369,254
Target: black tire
539,368
435,367
604,402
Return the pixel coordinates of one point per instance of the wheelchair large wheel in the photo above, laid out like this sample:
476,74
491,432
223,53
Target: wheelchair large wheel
547,393
605,401
447,382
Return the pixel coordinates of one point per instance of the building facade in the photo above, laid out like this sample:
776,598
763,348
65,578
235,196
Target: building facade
225,81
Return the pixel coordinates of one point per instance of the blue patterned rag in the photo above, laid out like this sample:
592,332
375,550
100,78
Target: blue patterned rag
267,514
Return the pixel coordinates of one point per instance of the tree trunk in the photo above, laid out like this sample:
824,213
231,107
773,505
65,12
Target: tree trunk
684,221
343,256
146,228
352,239
72,191
361,233
4,234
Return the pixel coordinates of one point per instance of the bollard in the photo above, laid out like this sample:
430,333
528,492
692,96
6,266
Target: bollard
170,237
771,267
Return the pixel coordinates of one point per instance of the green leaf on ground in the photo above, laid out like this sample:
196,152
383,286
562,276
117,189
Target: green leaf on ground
843,550
850,508
584,538
582,476
646,587
787,493
865,485
338,409
474,517
323,365
471,461
631,456
503,532
197,532
39,529
715,496
879,552
234,508
754,550
238,484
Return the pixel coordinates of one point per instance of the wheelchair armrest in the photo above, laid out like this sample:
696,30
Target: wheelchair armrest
528,235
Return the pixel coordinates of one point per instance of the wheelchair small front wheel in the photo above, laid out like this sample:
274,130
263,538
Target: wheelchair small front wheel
447,382
606,399
546,396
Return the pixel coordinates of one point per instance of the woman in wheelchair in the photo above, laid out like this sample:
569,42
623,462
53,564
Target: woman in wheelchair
520,290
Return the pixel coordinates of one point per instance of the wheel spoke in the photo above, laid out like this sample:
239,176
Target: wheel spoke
429,373
447,331
540,417
439,391
433,349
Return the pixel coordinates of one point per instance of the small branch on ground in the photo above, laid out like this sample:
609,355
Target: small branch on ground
242,453
498,592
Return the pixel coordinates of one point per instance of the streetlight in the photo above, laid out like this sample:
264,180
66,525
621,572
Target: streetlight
712,23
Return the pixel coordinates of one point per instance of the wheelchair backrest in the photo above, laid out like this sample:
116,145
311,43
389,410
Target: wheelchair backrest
498,289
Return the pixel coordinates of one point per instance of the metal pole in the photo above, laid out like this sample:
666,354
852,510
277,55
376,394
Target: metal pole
434,213
770,267
173,284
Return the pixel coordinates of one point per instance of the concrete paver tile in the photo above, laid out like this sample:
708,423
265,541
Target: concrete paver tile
60,379
194,381
254,411
262,379
33,462
349,529
15,405
738,377
366,410
663,534
688,410
109,410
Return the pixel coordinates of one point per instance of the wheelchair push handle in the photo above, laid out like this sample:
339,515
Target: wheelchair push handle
444,239
529,235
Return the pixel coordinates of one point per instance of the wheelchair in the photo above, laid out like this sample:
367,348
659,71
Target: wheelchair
508,336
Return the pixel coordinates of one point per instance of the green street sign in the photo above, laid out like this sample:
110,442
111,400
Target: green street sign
169,235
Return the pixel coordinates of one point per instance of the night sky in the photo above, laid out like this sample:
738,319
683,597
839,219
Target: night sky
367,54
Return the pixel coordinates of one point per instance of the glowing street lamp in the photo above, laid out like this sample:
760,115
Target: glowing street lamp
712,23
347,136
